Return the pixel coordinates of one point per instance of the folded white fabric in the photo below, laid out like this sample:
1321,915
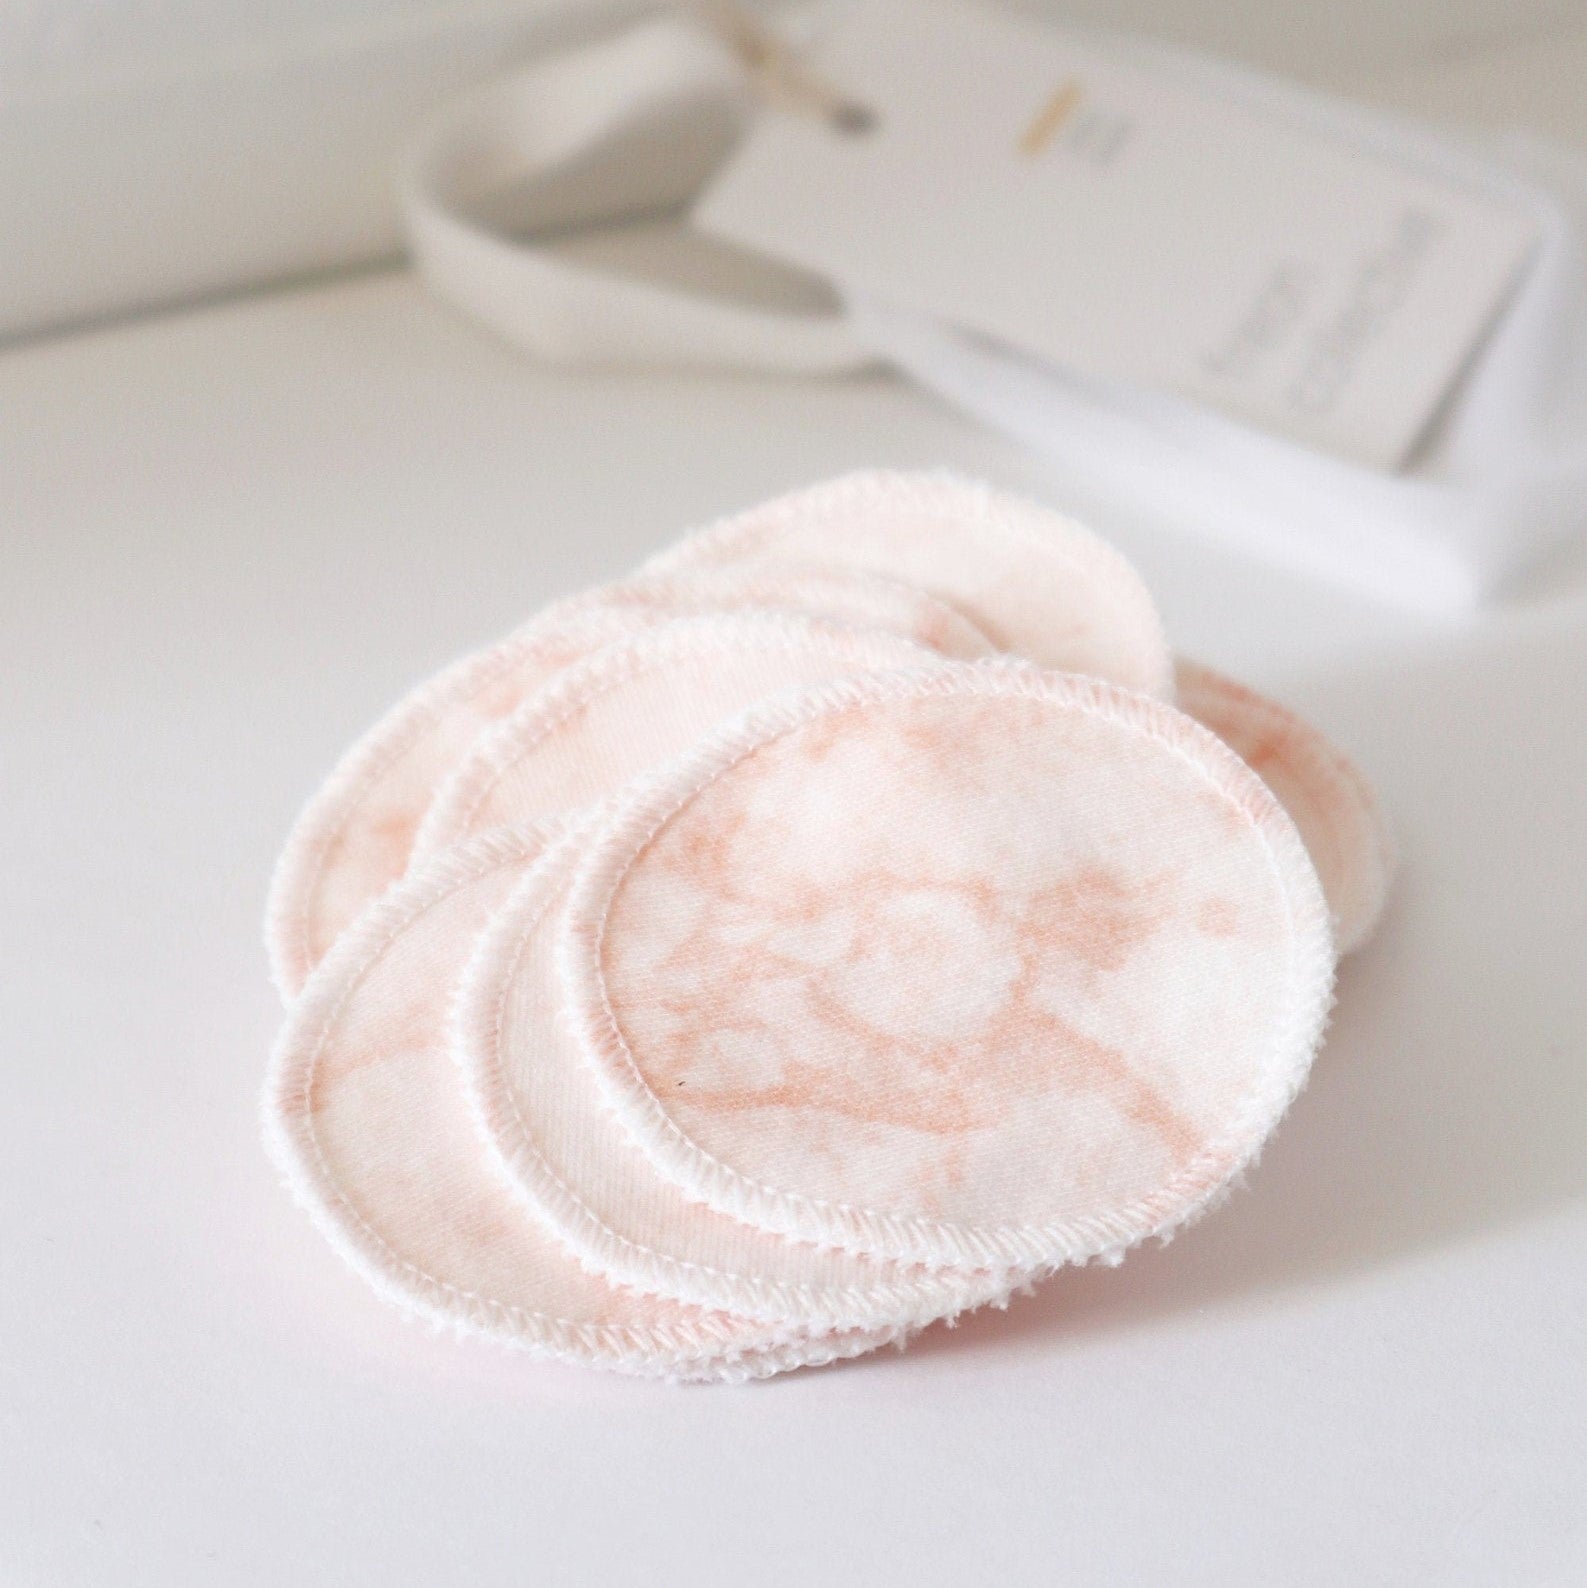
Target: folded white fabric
745,987
634,127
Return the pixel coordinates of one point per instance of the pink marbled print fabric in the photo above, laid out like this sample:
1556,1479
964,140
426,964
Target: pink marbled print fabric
991,964
356,836
1035,583
366,1118
847,595
1328,799
636,705
540,1105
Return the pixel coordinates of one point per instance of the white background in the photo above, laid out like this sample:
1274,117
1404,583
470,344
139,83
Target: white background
227,540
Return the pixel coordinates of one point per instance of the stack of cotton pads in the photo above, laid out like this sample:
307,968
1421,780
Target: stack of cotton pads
852,917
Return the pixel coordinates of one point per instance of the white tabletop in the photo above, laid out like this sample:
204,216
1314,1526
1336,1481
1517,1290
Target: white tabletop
229,539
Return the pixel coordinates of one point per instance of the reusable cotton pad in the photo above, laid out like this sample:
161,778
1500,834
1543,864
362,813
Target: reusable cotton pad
827,930
356,835
640,702
540,1104
366,1118
979,965
1329,800
1034,582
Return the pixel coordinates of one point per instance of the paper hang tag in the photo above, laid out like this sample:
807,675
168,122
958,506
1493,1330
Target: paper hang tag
1124,225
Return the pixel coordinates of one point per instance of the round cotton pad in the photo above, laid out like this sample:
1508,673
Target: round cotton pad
975,965
638,703
540,1105
1034,582
1328,799
365,1116
356,835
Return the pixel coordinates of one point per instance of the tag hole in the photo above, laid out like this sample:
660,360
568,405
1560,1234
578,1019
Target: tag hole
854,120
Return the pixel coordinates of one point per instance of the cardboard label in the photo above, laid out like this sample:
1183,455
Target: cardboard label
1108,219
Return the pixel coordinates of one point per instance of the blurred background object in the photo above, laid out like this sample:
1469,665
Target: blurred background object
153,151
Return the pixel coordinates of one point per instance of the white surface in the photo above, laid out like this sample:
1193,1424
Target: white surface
230,539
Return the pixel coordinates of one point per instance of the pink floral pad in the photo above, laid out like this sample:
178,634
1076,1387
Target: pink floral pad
1035,583
540,1104
971,966
1328,799
366,1118
356,836
641,702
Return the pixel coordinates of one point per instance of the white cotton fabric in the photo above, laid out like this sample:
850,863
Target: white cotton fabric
622,130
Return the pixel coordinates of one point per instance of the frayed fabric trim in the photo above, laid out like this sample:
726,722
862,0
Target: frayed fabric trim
455,809
971,507
897,1299
713,1347
910,1238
